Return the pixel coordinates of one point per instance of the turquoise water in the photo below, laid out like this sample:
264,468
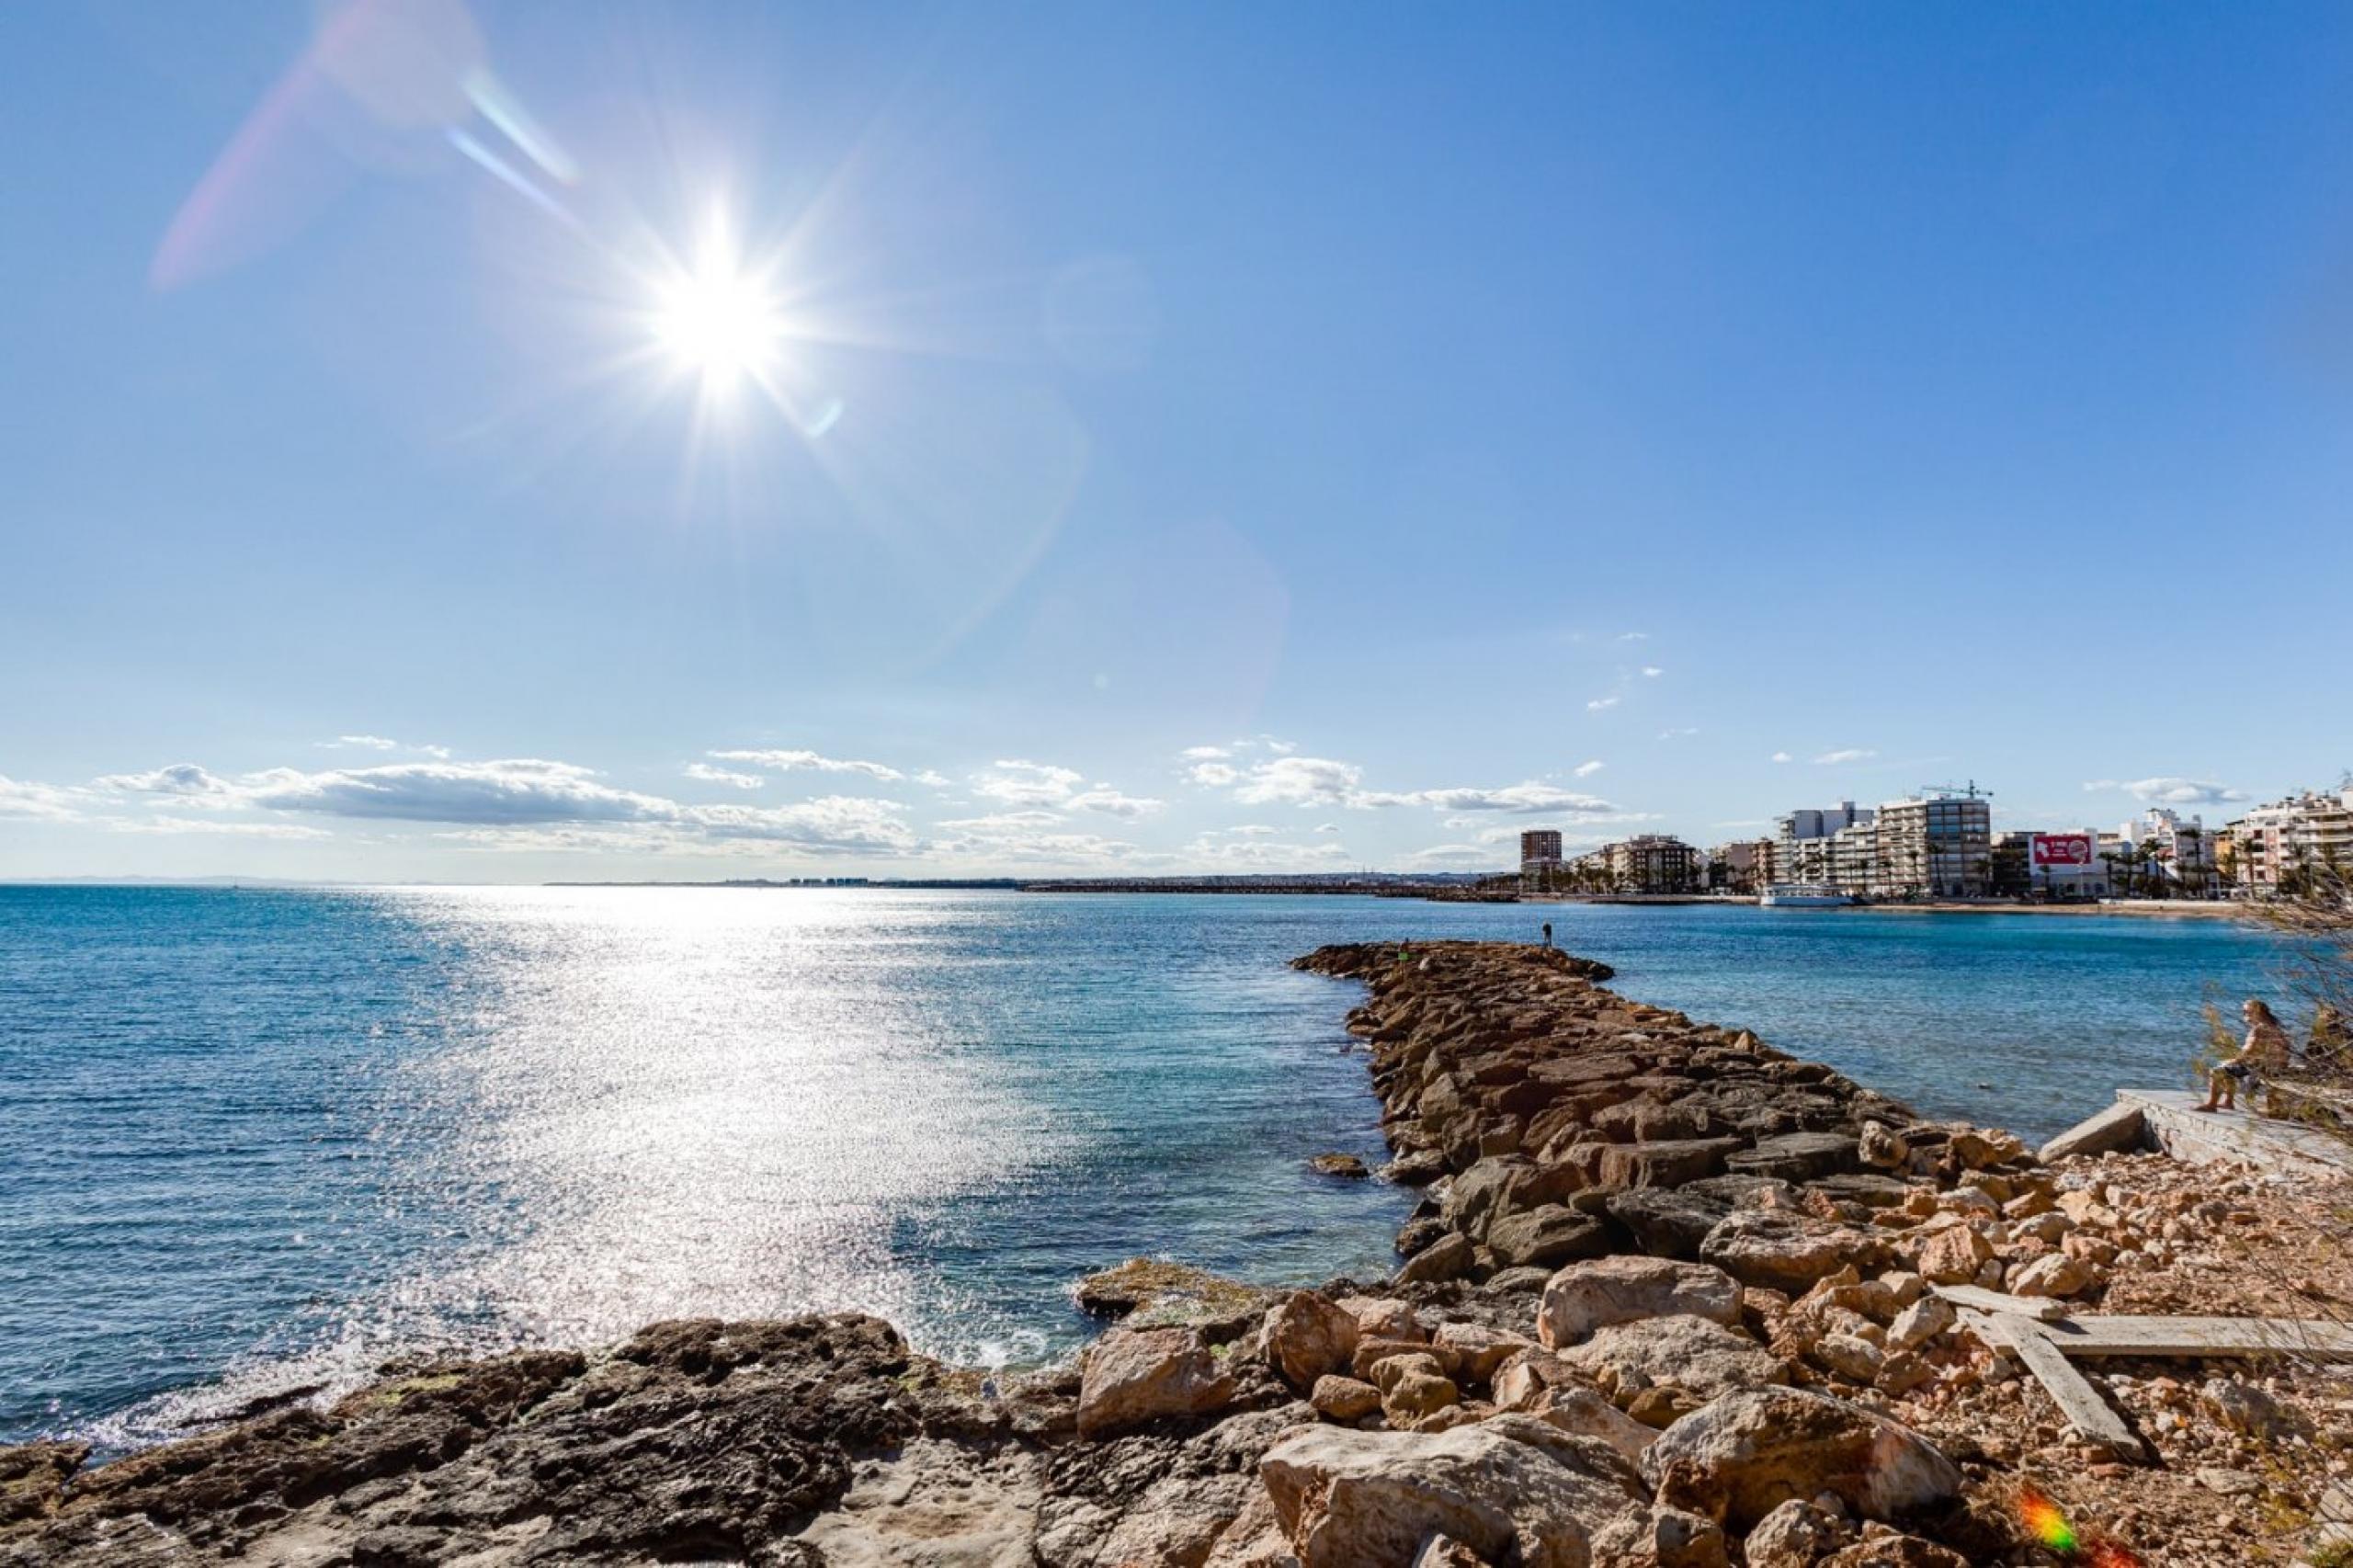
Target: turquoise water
258,1141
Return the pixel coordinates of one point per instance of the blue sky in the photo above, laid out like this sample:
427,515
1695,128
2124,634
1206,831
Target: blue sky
1184,439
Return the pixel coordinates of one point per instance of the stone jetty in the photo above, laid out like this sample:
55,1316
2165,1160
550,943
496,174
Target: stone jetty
1669,1297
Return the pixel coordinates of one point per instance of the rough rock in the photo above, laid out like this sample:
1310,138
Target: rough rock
1344,1400
2053,1274
1133,1376
1926,1318
1798,1156
1695,1354
1783,1251
1954,1255
1757,1450
1667,1223
1546,1236
1894,1552
1348,1499
1450,1258
1345,1166
1594,1294
1796,1534
1305,1336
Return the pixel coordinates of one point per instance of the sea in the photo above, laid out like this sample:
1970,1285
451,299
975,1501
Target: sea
256,1143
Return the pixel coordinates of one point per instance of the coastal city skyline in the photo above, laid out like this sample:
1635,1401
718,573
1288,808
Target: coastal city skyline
487,445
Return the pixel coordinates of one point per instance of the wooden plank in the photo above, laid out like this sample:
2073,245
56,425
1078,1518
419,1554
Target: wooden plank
2043,1309
2081,1404
2120,1334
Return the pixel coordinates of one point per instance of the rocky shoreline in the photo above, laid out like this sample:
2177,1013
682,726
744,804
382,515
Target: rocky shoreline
1667,1299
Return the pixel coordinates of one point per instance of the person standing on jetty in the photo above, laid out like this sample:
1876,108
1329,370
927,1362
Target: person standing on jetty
1548,934
2266,1051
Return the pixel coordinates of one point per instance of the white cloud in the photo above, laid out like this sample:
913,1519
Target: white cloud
810,761
1678,734
1633,637
1587,770
379,743
513,790
1849,754
1601,704
179,778
1255,830
1783,756
1023,783
1526,799
2170,792
1110,803
851,825
1213,775
1281,749
1652,671
1262,855
22,798
1296,781
1205,754
1327,827
706,774
931,779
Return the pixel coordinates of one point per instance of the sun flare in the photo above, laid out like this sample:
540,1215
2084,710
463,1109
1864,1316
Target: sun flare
719,321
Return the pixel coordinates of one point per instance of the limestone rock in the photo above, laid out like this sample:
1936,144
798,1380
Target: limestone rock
1345,1166
1757,1449
1783,1251
1344,1399
1661,1537
1798,1156
1475,1351
1794,1535
2053,1274
1349,1499
1134,1376
1894,1552
1695,1354
1305,1336
1667,1223
1542,1237
1449,1257
1586,1296
1881,1147
1383,1317
1926,1318
1955,1254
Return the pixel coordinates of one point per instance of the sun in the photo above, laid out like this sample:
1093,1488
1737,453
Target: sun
719,321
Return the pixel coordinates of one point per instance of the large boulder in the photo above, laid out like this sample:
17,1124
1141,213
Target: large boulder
1349,1499
1667,1222
1754,1450
1781,1250
1305,1336
1799,1156
1695,1354
1546,1236
1604,1291
1665,1162
1134,1376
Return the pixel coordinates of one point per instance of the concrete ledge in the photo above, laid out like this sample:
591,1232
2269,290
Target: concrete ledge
2175,1125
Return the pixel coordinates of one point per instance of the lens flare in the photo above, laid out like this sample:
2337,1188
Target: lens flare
2045,1522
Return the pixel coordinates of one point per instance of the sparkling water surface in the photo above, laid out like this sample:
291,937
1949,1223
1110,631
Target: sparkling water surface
255,1142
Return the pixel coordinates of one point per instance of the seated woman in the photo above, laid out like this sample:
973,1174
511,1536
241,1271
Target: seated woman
2266,1051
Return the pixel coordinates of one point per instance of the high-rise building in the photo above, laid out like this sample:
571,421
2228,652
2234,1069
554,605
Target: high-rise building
1540,849
1938,847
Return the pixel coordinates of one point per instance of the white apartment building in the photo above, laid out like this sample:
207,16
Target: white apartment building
1941,847
2301,832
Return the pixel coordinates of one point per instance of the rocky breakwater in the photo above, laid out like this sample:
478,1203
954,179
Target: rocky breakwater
1665,1303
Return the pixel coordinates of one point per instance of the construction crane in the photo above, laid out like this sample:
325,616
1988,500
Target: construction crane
1969,790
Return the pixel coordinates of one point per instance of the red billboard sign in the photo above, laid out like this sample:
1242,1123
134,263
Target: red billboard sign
2062,849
